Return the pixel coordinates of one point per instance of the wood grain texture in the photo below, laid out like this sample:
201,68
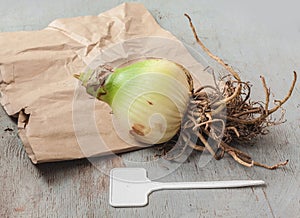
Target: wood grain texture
255,38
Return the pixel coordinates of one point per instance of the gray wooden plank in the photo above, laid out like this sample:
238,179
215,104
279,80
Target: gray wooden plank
252,42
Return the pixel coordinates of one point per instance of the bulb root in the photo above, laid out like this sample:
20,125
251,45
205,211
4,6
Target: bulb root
220,117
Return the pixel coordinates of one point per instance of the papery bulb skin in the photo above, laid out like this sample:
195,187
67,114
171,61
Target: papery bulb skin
148,98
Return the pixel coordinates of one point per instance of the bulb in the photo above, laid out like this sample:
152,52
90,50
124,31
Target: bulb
148,98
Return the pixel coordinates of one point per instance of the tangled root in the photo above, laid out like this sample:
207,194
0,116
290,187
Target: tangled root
218,117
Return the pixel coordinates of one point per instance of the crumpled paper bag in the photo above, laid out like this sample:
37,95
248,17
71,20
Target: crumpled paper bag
57,120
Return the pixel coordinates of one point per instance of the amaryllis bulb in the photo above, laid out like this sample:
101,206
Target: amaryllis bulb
148,98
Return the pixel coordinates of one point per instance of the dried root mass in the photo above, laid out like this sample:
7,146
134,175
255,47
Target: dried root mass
219,117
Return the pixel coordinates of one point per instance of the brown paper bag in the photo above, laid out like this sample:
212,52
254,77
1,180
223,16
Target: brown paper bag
57,120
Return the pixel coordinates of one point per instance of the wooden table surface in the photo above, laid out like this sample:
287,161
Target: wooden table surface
256,38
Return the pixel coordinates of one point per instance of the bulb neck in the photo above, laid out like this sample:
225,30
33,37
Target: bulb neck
94,81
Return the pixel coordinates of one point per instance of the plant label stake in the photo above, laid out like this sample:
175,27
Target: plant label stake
131,186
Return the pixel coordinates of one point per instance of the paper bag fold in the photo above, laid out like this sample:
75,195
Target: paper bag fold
57,120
